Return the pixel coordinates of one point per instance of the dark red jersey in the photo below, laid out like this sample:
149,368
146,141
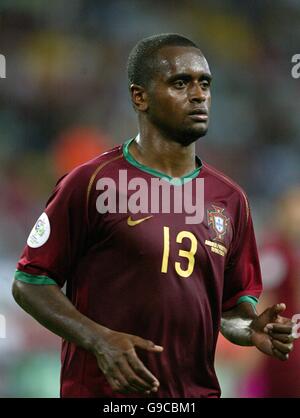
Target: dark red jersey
148,274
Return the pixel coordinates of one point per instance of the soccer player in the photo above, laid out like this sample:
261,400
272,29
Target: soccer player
147,293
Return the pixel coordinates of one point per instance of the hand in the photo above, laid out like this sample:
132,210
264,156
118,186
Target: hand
121,366
272,333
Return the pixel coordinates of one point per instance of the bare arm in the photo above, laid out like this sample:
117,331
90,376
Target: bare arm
269,332
51,308
113,350
236,324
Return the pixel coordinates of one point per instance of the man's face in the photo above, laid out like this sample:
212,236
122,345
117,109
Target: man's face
179,95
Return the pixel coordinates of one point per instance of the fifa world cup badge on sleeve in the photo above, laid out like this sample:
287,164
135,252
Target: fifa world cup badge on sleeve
40,232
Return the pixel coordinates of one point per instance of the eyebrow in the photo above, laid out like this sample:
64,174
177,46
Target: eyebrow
186,76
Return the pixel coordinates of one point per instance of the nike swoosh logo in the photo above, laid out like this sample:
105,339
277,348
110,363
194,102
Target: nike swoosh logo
131,222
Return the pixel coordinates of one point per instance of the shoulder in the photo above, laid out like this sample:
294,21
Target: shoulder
76,184
228,186
83,174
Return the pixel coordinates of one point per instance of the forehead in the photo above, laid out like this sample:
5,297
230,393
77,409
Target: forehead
179,59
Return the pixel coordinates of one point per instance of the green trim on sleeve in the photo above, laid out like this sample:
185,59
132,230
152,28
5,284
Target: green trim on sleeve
250,299
33,279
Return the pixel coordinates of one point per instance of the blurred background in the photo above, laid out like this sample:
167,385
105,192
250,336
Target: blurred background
65,100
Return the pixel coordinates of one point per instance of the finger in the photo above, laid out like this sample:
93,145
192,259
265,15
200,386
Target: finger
281,307
283,348
140,369
114,376
120,384
146,344
115,383
133,380
278,328
276,309
279,355
121,372
283,320
284,338
271,314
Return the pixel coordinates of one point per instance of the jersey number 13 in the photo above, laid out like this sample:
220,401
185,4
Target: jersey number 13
190,255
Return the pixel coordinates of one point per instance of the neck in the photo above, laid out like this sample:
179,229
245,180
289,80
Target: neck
161,153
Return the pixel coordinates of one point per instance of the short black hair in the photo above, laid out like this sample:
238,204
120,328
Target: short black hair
141,61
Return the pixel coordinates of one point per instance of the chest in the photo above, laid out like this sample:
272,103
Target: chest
167,241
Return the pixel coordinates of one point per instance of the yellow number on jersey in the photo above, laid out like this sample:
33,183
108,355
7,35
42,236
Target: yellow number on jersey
190,255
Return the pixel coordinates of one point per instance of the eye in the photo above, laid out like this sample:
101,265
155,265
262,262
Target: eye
205,84
179,84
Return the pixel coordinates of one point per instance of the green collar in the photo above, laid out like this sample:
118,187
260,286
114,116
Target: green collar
174,180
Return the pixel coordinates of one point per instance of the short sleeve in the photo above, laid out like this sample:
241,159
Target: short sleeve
242,276
59,236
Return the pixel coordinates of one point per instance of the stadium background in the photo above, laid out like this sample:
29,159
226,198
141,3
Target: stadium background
65,99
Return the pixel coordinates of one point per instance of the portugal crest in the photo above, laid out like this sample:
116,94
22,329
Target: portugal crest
219,222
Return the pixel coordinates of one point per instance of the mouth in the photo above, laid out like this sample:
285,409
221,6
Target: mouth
199,115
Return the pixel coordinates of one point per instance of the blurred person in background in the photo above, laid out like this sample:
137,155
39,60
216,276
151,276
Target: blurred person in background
280,263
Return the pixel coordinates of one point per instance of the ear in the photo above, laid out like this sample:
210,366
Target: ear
139,97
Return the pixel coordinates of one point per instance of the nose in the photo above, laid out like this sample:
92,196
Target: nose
197,94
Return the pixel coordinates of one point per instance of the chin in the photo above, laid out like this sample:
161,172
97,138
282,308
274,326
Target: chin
191,135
